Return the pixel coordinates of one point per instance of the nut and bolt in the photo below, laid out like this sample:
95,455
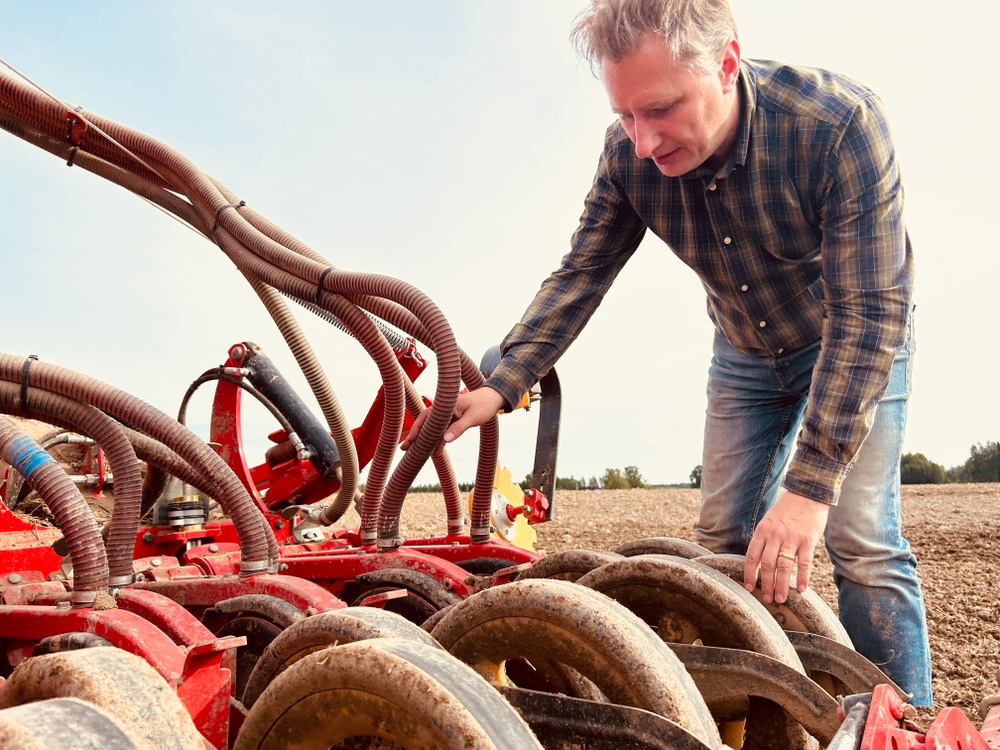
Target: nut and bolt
14,578
147,538
213,548
279,525
156,562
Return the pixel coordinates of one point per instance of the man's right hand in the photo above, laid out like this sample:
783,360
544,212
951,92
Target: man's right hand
471,410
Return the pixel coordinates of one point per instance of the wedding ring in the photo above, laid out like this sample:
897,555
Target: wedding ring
787,556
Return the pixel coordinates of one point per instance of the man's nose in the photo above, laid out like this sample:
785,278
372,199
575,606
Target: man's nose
646,139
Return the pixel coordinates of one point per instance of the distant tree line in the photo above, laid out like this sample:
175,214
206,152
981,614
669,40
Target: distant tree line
982,465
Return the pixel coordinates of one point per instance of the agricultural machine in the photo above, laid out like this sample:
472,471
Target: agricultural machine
223,607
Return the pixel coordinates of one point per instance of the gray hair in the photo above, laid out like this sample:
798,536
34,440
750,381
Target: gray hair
694,31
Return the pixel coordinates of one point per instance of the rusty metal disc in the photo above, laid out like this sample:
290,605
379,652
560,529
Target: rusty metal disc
569,564
321,631
687,602
404,692
803,612
60,723
116,681
557,621
662,545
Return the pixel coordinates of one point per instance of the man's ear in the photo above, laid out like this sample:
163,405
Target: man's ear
729,69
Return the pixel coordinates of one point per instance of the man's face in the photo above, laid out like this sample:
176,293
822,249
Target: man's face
677,116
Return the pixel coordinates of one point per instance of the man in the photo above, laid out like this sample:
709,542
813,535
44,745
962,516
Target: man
778,185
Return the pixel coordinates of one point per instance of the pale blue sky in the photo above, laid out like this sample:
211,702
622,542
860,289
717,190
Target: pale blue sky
450,144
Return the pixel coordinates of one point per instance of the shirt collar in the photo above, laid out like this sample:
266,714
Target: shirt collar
747,82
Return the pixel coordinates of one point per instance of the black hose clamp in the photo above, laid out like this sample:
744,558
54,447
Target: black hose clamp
219,211
24,380
319,284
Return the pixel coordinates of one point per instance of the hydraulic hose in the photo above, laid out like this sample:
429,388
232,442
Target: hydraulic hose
260,551
43,474
489,433
87,420
164,172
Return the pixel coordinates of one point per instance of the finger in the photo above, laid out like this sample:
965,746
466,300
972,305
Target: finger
456,428
411,436
802,576
752,566
785,563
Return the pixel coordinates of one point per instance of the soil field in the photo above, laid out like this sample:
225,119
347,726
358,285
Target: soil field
954,530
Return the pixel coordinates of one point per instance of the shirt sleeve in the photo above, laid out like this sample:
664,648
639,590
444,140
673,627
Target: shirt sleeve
867,274
608,234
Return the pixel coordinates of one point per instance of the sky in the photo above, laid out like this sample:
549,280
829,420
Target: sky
450,144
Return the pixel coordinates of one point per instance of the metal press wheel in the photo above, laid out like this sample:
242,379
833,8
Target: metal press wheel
116,681
544,622
59,723
804,612
662,545
382,693
569,564
339,627
686,602
817,635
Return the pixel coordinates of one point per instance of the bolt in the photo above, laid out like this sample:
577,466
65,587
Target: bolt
279,525
213,548
14,578
62,605
147,538
237,352
156,562
447,584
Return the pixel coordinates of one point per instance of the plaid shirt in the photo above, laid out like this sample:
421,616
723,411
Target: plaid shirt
798,237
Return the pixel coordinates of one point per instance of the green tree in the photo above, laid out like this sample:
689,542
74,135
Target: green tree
696,477
634,478
613,480
916,468
983,464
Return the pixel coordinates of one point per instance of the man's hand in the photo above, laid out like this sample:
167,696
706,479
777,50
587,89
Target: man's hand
783,543
471,410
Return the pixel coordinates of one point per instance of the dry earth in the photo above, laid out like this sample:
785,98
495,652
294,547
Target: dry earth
954,530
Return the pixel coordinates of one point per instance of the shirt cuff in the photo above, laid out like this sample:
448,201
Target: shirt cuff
510,382
815,476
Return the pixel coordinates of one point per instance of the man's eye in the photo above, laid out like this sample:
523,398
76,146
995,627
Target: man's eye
626,118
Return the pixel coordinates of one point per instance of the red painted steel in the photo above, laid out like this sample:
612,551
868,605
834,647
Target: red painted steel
950,730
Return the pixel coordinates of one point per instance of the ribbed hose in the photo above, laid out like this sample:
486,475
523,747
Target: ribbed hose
375,344
256,538
43,474
322,390
167,462
88,421
489,433
167,168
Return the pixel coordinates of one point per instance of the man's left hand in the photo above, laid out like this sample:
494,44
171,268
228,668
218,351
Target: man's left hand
783,543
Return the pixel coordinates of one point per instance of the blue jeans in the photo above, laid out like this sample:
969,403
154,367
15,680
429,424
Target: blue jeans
755,406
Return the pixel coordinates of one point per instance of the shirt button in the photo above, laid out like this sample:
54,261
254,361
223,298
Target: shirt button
712,186
762,323
781,350
728,240
744,288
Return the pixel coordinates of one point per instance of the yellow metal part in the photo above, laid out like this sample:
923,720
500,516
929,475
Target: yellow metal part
518,532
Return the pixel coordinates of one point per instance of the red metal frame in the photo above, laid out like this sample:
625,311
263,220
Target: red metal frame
884,730
196,664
